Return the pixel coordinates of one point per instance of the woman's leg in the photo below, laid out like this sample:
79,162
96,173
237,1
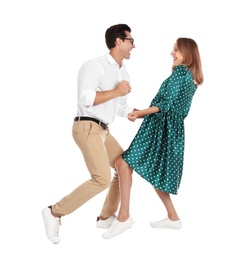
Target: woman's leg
172,221
123,220
125,183
165,198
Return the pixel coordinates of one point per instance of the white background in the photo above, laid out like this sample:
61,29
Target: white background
43,44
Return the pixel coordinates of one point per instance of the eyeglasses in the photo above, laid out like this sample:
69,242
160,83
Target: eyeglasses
130,39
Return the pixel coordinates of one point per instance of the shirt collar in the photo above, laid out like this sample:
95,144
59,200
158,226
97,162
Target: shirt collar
111,59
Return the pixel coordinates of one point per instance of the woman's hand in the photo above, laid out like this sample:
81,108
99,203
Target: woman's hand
133,116
142,113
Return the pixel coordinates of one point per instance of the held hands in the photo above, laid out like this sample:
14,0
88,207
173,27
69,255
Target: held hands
123,88
133,116
142,113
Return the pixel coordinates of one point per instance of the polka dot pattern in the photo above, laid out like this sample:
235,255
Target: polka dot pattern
157,150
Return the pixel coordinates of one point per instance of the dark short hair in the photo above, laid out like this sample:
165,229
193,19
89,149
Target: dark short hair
114,32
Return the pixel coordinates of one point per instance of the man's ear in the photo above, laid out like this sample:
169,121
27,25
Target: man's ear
119,41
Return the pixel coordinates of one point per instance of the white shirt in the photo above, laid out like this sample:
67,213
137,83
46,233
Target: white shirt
101,74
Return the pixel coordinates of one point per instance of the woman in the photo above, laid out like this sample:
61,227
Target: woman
157,151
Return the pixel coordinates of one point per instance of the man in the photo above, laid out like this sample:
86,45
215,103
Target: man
103,84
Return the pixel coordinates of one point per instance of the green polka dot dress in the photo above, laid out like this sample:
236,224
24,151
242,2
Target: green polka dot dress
157,151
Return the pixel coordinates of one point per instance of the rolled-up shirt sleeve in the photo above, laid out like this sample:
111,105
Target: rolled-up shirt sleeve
88,82
87,97
123,109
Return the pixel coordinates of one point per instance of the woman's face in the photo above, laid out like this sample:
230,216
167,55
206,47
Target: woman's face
177,56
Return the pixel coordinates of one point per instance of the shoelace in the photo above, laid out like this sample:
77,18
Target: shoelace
113,226
160,221
57,223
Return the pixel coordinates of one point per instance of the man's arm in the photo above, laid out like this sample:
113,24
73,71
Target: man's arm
122,89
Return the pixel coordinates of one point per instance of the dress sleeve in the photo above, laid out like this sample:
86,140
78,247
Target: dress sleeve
169,89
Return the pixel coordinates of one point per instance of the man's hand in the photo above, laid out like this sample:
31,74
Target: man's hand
123,88
133,116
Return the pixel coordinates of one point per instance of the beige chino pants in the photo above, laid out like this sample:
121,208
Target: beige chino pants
100,150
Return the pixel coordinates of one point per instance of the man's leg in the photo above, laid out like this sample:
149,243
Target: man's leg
112,200
90,138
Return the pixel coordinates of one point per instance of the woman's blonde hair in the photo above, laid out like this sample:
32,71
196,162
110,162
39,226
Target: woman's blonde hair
191,58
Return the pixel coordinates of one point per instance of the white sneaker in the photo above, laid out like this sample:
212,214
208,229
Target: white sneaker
167,223
51,225
117,228
105,223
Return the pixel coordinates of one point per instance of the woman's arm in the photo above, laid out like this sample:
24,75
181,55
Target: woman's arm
141,113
